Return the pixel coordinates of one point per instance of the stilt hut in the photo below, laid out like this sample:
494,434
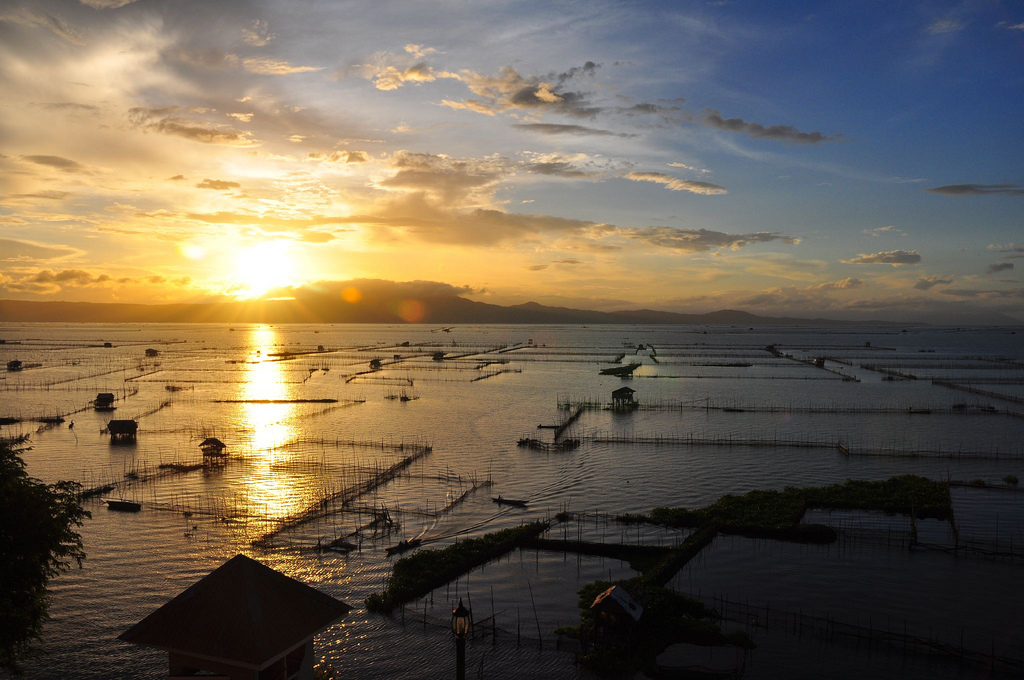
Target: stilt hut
243,621
152,352
211,446
122,430
375,364
104,401
14,365
616,614
623,399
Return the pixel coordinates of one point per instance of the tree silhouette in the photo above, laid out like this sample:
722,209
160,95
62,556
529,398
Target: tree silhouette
38,540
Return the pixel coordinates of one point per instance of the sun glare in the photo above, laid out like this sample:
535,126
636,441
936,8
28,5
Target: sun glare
262,268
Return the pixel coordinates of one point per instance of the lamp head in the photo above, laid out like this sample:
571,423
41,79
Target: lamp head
460,620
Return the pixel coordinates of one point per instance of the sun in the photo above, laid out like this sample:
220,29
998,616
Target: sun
261,268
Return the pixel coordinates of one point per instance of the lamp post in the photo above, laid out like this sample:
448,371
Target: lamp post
460,626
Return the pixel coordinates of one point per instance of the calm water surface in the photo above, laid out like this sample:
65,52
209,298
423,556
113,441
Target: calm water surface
496,384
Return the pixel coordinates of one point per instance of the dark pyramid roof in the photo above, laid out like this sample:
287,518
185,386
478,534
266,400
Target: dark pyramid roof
212,442
242,612
624,390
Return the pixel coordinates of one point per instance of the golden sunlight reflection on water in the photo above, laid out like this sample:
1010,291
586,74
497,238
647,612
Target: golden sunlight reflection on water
271,491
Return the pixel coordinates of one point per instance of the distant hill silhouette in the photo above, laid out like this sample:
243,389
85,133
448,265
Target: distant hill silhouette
374,301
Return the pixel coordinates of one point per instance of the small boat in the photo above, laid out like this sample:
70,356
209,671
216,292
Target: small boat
620,370
339,546
122,505
402,546
509,501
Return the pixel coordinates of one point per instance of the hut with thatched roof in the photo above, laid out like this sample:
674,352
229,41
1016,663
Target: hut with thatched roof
242,621
211,446
122,430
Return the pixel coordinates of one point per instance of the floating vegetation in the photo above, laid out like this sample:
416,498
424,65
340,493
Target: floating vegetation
769,514
639,557
418,574
538,445
668,618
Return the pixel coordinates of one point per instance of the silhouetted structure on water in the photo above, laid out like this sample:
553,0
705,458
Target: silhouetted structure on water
242,621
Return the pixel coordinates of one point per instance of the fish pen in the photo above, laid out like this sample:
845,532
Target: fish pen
344,495
908,451
985,393
829,630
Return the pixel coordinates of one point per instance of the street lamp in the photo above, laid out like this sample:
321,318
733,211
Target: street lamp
461,618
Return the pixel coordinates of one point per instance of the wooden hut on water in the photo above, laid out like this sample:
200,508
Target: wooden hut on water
14,365
211,446
152,352
623,399
104,401
122,430
243,621
616,614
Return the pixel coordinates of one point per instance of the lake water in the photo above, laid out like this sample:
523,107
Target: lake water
495,385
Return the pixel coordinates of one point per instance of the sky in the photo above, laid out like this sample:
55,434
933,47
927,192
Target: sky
859,160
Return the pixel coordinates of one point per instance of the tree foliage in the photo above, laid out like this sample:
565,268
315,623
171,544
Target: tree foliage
38,540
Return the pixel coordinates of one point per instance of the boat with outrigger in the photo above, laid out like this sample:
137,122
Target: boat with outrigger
501,500
402,546
621,371
122,505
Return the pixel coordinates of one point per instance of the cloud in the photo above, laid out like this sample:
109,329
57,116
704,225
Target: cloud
244,117
258,34
896,258
58,163
45,194
11,250
1008,248
1004,294
572,166
929,282
388,77
567,260
273,67
999,267
560,169
176,178
313,236
845,284
1011,27
691,168
670,112
106,4
51,22
156,120
340,156
782,133
884,230
676,184
978,189
537,267
702,240
450,180
217,184
556,129
944,25
508,90
68,106
419,51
